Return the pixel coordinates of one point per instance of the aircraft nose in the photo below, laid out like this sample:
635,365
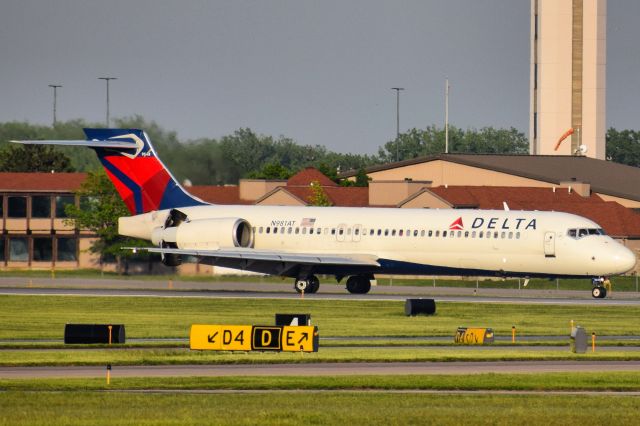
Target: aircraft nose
624,259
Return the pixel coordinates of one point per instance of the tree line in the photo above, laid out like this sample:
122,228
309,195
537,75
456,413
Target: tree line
210,161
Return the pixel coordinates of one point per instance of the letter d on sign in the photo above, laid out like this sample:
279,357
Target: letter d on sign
266,338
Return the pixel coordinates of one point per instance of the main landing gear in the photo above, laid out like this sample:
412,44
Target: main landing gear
356,284
309,285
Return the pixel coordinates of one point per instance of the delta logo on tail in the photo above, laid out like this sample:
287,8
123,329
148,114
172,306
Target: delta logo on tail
457,225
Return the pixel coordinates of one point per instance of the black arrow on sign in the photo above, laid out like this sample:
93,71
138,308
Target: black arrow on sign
305,336
211,338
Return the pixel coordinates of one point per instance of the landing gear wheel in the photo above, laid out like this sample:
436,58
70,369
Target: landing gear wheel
358,284
599,292
314,284
309,285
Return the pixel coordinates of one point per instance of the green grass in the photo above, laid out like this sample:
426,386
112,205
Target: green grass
186,356
296,408
592,381
357,400
44,317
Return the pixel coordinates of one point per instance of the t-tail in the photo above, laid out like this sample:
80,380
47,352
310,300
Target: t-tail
128,157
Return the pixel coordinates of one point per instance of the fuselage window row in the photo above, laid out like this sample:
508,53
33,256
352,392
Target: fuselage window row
574,233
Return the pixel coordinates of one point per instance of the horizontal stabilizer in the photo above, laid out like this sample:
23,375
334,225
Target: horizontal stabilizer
118,144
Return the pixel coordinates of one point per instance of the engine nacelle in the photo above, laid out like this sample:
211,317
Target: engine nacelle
206,234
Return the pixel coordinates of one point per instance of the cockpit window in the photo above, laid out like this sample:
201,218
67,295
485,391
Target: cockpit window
583,232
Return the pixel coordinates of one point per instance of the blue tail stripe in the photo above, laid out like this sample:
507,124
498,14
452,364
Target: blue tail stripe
137,191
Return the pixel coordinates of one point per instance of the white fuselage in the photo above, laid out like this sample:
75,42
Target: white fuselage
448,241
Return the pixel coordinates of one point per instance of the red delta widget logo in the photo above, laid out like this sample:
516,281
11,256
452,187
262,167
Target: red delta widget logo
495,223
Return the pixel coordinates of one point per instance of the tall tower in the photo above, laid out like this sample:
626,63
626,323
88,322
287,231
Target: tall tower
568,70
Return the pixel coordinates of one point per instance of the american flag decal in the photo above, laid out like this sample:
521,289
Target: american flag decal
308,221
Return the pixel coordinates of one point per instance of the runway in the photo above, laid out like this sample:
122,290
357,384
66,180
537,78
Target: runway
240,292
321,369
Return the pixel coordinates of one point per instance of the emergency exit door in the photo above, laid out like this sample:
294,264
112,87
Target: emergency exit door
550,244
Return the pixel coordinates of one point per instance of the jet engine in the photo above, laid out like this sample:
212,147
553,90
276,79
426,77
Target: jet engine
180,232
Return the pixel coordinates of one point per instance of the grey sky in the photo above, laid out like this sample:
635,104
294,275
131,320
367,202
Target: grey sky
319,72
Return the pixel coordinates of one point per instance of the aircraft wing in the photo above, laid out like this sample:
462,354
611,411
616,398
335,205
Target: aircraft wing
269,261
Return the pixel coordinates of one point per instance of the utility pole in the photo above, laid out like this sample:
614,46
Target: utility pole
446,116
397,89
107,79
55,99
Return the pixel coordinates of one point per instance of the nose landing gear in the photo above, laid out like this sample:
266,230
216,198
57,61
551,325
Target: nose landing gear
598,291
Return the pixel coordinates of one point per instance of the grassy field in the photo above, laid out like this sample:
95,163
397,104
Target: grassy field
44,317
185,356
370,400
296,408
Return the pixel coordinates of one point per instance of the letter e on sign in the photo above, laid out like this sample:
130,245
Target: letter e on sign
299,338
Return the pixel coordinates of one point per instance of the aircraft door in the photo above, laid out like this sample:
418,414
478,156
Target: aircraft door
550,244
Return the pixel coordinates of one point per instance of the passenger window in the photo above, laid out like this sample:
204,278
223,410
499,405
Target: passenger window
430,233
297,231
510,235
333,231
260,230
415,233
444,233
371,231
572,233
289,230
473,234
495,234
400,232
268,229
386,232
481,234
356,231
437,233
379,232
517,235
348,231
275,229
459,234
310,231
582,233
304,230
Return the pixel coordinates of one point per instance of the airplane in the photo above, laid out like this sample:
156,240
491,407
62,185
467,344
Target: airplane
353,243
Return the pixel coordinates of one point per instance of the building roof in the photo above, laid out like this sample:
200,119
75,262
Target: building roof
41,182
306,176
616,219
605,177
228,194
340,196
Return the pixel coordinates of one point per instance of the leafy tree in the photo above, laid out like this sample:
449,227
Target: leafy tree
100,208
34,158
430,141
271,171
318,197
623,146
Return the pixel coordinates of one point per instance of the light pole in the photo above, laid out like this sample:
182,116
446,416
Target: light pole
446,116
107,80
397,89
55,98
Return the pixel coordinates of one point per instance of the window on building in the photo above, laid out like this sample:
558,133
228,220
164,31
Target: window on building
61,202
17,207
18,249
67,249
1,206
42,249
41,206
1,249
